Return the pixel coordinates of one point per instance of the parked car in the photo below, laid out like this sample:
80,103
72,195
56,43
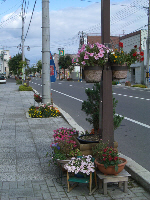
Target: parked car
2,79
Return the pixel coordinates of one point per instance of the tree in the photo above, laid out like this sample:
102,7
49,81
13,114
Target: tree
65,62
39,66
91,108
14,64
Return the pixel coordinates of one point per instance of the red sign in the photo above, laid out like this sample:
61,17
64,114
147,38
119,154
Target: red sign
51,70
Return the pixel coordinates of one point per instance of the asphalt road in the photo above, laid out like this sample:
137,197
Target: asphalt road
133,136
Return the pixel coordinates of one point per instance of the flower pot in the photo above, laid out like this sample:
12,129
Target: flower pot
38,100
111,169
84,141
92,74
119,71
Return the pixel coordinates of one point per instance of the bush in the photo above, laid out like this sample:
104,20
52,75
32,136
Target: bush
91,108
114,83
18,81
139,85
25,88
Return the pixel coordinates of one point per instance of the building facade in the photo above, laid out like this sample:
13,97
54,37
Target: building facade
138,70
4,58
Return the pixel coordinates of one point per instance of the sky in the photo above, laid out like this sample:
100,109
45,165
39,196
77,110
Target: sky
68,18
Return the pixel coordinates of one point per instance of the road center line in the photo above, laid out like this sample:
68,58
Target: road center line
132,120
130,96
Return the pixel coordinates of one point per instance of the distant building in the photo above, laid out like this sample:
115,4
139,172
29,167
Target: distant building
4,58
137,73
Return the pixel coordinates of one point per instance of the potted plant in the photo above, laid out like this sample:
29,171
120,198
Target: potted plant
37,98
63,147
81,166
91,108
121,61
107,159
92,57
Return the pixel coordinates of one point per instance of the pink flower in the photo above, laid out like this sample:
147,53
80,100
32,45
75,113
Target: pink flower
83,63
86,57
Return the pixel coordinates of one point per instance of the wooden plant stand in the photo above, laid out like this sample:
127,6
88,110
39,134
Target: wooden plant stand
82,180
121,177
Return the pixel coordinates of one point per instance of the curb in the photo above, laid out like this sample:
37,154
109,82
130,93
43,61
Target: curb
138,173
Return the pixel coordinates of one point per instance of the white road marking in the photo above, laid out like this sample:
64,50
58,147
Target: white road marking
131,96
132,120
136,122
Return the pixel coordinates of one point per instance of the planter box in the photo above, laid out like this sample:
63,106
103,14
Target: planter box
86,149
128,84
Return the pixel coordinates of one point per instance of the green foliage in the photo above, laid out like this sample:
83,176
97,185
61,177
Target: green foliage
114,83
91,108
14,64
139,85
18,81
25,88
39,66
65,62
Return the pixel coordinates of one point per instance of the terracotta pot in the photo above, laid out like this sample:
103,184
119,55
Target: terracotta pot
119,71
111,169
92,74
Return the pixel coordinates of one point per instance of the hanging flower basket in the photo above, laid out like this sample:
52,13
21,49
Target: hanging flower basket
92,74
119,71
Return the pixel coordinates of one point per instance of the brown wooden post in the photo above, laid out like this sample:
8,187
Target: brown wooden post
105,21
106,127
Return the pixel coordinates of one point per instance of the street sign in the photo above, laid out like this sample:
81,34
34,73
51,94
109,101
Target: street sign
61,52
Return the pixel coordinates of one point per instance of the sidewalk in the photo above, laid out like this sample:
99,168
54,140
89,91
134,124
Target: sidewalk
24,170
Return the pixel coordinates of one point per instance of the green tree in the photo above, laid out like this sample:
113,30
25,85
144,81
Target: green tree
65,62
91,108
39,66
14,64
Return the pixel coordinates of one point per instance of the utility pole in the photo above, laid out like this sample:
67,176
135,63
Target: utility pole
148,48
46,88
23,57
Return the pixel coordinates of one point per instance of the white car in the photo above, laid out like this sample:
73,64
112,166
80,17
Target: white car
2,79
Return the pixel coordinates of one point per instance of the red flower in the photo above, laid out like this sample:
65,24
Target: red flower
110,158
142,59
142,53
121,44
135,46
105,150
116,158
104,155
134,54
104,159
110,151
